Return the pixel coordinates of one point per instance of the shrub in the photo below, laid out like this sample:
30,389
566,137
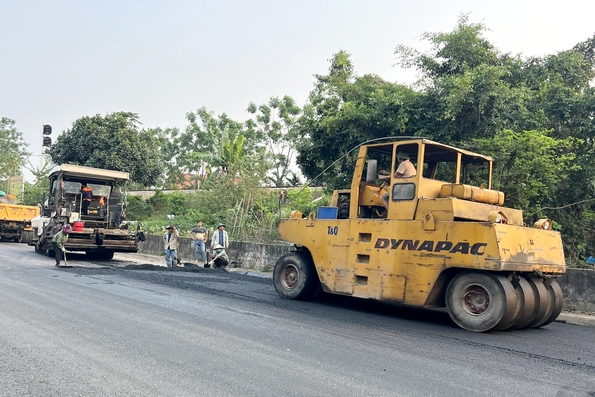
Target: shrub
178,203
137,209
159,202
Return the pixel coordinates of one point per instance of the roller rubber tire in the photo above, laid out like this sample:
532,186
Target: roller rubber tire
527,302
543,303
295,277
513,305
476,301
557,298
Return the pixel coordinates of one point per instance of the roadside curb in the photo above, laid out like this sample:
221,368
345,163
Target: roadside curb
576,319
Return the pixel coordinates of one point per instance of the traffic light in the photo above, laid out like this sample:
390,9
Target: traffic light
47,130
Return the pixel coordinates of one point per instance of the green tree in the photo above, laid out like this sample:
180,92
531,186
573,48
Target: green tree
171,153
470,89
561,91
138,209
343,111
36,192
274,123
563,94
114,142
219,147
210,144
294,179
14,151
530,167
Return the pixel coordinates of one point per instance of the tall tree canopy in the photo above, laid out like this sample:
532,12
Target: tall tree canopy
114,142
216,145
343,111
34,193
170,153
274,126
470,89
14,150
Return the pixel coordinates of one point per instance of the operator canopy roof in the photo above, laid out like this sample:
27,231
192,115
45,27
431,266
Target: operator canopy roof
434,151
82,172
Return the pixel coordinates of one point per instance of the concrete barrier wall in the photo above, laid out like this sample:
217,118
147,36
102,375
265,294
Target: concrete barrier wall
242,254
578,284
579,289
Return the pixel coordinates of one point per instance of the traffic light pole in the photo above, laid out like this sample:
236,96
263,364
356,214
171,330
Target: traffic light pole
46,141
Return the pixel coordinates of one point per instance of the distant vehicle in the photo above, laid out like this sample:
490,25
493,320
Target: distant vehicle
15,220
100,232
444,240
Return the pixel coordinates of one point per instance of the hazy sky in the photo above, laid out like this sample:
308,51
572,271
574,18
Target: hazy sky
62,60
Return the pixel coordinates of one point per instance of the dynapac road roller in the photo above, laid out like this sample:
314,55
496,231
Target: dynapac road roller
441,238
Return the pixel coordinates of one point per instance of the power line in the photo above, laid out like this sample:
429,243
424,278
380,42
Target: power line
568,205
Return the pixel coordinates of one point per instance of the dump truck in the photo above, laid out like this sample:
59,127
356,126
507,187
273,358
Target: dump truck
443,239
97,217
15,220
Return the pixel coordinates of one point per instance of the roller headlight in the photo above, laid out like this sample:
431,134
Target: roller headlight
545,224
497,217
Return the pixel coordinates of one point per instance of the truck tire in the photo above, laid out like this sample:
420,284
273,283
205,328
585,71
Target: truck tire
477,301
295,277
26,236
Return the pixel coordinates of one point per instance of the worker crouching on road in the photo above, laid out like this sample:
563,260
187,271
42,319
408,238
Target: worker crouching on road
220,258
58,242
170,240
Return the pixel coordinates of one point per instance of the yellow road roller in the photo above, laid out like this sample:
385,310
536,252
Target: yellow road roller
429,233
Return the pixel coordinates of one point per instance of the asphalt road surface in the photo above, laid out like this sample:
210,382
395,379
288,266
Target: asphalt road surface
118,329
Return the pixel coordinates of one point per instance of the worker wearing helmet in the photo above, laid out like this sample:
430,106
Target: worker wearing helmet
58,242
406,169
